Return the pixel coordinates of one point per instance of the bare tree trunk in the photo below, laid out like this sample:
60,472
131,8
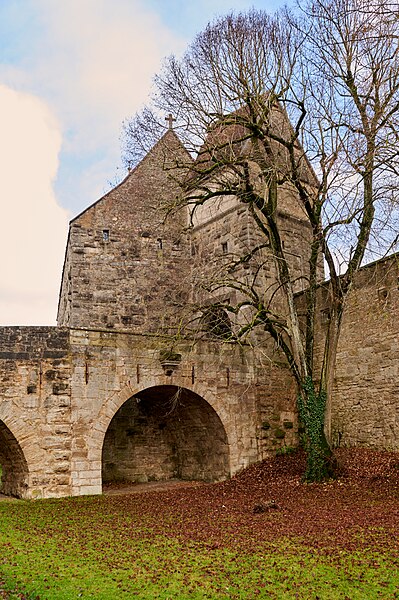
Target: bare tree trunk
329,361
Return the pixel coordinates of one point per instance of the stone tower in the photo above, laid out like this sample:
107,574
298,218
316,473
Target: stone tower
127,266
131,266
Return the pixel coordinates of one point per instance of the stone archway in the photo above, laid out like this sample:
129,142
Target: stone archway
14,468
165,432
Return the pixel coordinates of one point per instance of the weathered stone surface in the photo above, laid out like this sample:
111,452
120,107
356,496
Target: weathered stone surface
212,432
123,257
365,409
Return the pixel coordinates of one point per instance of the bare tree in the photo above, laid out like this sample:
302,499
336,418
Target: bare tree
250,93
353,76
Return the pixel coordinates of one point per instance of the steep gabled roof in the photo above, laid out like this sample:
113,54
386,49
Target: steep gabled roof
169,141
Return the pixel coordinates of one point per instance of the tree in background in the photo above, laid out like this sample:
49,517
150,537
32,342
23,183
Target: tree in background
248,95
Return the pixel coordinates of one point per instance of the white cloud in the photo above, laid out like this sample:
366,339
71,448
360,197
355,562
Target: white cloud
33,227
100,59
93,62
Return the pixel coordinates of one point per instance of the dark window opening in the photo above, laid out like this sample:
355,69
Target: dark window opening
215,321
159,244
224,247
106,235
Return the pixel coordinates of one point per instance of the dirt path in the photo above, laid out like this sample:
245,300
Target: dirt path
151,486
136,488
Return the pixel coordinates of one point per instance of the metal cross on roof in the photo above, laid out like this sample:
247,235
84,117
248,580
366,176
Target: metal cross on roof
170,118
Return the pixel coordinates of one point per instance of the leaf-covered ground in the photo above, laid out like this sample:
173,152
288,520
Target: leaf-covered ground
262,534
268,500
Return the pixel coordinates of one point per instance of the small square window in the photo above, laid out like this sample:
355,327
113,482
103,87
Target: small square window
106,235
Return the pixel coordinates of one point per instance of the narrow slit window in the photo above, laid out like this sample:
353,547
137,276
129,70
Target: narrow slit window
106,235
224,248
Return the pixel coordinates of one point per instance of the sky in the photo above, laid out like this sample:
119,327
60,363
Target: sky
70,72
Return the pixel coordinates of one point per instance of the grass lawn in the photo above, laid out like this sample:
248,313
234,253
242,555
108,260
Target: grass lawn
261,535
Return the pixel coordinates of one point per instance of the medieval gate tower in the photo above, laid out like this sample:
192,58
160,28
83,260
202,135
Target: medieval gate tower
104,396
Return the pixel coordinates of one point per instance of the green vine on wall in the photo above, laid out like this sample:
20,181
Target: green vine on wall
311,408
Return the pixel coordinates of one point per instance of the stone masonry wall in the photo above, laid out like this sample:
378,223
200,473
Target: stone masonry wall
366,410
35,410
219,239
365,406
163,433
62,391
230,233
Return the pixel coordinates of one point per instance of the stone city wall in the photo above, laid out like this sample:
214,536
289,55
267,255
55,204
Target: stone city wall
63,392
35,411
365,406
81,406
221,387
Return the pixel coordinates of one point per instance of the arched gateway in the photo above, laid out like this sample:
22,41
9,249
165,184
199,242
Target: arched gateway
14,468
165,432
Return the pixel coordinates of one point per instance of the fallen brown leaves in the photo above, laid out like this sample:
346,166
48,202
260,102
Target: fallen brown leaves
268,501
5,595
